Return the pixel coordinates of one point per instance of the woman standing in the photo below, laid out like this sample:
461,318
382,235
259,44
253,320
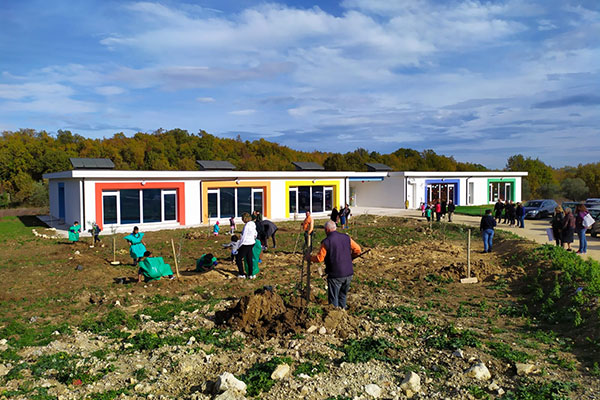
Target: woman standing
137,247
580,213
557,224
245,245
520,215
568,228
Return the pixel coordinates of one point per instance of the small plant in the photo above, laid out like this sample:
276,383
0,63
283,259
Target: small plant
478,392
140,374
258,377
505,352
309,368
529,390
450,338
363,350
434,278
396,314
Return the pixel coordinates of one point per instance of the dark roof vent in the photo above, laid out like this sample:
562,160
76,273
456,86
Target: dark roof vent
210,165
377,167
307,166
91,163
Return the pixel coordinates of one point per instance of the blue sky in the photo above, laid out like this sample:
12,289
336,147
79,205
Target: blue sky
480,81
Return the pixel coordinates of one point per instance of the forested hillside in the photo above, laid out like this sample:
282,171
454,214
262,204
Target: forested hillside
25,155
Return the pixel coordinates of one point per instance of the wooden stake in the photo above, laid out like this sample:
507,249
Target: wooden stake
309,251
175,257
468,279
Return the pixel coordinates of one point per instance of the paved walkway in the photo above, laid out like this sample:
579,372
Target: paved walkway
534,229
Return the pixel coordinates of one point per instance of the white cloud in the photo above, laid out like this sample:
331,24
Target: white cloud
109,90
248,111
205,100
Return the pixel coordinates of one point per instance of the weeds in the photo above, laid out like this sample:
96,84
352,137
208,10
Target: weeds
363,350
21,335
450,338
258,377
528,390
505,352
390,315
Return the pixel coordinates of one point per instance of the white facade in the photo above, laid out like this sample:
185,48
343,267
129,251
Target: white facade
169,199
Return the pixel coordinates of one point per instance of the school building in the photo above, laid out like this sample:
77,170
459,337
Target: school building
117,200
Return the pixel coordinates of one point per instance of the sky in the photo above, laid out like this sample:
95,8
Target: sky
479,81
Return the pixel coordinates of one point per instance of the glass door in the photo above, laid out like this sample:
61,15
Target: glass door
328,198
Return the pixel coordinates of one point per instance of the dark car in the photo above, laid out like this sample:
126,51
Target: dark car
540,208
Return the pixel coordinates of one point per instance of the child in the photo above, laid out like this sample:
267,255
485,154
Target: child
216,229
153,268
231,225
137,247
206,262
233,246
96,232
74,232
428,213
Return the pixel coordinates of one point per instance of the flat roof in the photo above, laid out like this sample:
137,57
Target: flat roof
462,174
119,174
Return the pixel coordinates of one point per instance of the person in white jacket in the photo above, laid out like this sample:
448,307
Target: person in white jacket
245,245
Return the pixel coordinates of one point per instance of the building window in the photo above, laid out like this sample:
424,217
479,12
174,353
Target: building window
233,202
130,206
315,199
500,190
441,192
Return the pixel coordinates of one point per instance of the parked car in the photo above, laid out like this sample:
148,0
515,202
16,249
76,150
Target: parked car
540,208
592,203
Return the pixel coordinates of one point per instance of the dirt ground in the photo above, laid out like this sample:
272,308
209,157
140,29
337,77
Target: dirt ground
410,267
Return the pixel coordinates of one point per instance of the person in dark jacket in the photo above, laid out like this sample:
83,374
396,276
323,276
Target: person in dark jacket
451,208
337,250
268,231
512,213
498,208
335,214
520,215
443,208
568,229
557,224
487,230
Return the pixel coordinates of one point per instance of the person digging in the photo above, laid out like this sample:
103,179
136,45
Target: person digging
153,268
337,250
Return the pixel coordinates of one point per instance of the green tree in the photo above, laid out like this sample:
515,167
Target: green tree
574,189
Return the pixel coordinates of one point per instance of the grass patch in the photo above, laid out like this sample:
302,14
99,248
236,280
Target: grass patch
21,334
505,352
110,324
218,337
450,338
478,392
391,315
363,350
528,390
258,377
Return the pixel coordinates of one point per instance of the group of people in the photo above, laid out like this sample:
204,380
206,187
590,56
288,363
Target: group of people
565,224
513,214
438,209
341,216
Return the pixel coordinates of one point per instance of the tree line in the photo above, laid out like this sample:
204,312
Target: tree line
25,155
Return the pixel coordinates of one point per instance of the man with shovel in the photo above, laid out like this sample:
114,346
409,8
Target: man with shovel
337,250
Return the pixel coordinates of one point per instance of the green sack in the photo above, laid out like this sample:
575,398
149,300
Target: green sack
256,250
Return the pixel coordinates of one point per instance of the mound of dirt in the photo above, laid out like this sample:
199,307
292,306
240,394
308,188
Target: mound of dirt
265,314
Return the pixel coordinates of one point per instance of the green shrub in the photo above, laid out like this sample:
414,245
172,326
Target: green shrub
529,390
505,352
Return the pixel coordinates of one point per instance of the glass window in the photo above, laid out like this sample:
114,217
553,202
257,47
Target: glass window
227,202
244,200
130,206
170,207
109,207
151,198
303,199
212,205
293,205
317,198
258,201
328,199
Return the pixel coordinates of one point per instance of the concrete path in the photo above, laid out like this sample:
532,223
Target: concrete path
534,229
